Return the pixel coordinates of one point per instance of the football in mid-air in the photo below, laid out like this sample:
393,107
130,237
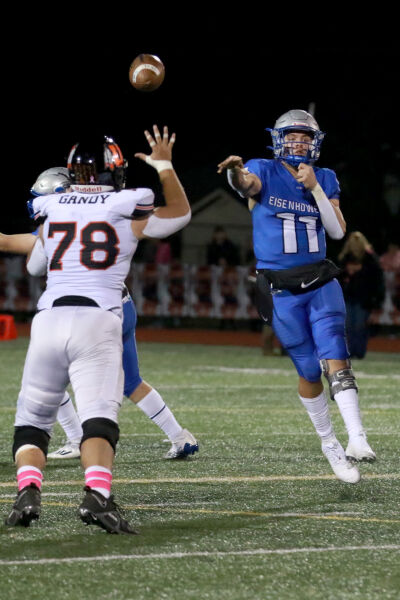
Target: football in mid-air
146,72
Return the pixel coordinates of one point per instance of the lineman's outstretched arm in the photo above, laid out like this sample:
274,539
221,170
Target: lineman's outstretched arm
246,184
165,220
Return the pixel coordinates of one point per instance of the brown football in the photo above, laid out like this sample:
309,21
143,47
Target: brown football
146,72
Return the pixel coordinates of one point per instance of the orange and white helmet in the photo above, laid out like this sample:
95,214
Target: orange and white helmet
97,162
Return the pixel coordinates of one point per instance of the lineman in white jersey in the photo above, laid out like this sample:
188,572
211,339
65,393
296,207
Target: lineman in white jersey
56,180
89,236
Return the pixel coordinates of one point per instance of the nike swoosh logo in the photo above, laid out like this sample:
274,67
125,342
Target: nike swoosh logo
306,285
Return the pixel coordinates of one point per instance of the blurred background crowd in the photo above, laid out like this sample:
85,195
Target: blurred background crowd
203,277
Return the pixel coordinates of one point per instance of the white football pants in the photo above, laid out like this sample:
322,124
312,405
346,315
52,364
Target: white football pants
78,345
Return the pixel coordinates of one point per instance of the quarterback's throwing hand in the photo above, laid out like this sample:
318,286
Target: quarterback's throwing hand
306,176
230,163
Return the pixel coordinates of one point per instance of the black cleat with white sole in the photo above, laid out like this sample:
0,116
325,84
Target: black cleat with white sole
26,507
103,512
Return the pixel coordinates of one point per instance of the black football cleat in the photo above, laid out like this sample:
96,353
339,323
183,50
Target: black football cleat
26,507
103,512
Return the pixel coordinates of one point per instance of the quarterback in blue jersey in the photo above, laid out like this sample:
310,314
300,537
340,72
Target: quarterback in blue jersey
293,205
183,443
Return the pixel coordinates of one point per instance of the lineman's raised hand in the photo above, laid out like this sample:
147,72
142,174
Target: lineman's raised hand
230,163
161,149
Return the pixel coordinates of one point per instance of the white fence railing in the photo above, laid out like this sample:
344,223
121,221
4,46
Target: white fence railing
180,290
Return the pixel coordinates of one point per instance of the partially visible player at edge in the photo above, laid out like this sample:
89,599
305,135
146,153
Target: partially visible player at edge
89,236
293,204
56,180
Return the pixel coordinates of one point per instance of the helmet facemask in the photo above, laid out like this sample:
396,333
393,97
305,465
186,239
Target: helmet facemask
85,174
284,149
296,121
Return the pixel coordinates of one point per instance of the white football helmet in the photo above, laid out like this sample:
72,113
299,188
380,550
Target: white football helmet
51,181
296,121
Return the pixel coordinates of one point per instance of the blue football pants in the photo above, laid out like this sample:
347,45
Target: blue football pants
311,327
130,361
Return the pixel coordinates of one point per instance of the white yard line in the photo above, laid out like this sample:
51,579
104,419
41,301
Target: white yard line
205,479
178,505
248,370
261,434
285,372
178,508
50,495
216,554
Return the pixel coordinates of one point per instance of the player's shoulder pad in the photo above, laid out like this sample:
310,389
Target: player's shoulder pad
38,206
326,174
326,171
328,181
131,202
257,165
265,162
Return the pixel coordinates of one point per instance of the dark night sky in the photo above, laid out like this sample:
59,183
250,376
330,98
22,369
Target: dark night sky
219,94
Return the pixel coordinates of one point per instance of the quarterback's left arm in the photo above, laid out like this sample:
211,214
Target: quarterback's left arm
336,205
331,215
18,243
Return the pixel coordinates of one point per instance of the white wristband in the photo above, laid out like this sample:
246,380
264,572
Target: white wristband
328,214
229,174
159,165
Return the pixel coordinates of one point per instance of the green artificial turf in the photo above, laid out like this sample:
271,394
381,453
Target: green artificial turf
256,514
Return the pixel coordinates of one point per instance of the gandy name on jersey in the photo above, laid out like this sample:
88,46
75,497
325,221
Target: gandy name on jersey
89,243
89,199
287,228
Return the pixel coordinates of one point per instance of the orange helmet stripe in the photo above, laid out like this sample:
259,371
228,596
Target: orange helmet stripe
117,158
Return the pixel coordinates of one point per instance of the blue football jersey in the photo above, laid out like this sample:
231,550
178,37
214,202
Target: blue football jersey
287,227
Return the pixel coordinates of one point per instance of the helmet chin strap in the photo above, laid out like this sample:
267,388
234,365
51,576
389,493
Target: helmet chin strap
293,169
294,162
289,164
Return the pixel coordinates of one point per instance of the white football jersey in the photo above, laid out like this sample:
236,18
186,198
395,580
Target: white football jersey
89,243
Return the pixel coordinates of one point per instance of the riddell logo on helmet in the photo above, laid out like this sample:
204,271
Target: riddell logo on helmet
88,188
